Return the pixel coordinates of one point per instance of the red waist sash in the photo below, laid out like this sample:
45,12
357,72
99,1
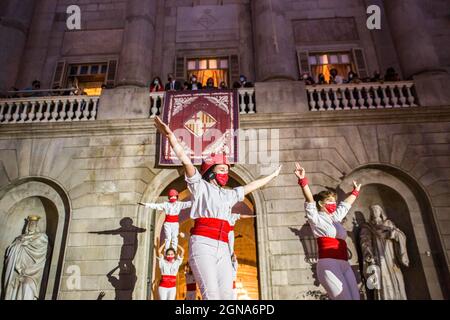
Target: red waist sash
211,228
191,287
332,248
234,284
168,281
172,219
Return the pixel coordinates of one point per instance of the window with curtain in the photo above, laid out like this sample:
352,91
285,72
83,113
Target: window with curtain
205,68
324,62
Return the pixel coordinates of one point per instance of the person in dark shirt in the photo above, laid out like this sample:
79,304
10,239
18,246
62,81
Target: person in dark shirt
172,84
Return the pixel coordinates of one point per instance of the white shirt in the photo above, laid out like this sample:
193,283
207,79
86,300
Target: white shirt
325,225
234,218
170,269
211,201
170,209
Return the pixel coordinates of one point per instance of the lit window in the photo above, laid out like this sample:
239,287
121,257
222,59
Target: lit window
203,64
312,60
323,59
213,64
334,59
345,58
192,65
223,64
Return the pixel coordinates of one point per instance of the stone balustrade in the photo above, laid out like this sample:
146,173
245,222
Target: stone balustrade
246,98
49,109
369,95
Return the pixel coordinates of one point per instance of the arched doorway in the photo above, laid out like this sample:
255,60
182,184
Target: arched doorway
245,245
406,204
45,198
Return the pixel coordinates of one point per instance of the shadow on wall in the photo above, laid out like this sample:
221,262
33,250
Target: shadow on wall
125,282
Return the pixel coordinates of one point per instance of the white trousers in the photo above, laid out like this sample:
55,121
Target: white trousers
211,264
167,293
191,295
338,279
171,231
231,242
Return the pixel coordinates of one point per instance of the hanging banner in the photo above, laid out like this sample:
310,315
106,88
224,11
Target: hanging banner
204,122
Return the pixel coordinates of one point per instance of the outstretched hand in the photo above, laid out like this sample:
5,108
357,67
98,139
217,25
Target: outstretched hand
277,172
162,127
300,172
357,186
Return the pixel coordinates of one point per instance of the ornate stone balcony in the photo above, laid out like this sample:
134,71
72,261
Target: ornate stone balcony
246,101
369,95
49,109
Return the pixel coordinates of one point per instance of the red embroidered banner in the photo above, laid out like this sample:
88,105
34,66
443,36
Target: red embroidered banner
204,122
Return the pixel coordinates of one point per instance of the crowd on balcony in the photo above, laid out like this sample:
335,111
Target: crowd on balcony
352,78
35,91
193,84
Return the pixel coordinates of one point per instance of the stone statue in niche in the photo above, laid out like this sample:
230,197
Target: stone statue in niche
24,263
383,248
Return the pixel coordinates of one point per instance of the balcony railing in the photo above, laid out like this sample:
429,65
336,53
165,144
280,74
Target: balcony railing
49,109
362,96
246,102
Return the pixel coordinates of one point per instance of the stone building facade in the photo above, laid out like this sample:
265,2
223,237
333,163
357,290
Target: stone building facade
85,177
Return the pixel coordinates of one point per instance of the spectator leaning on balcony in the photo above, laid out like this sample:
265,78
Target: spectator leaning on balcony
335,78
223,85
321,79
307,79
156,85
194,85
391,75
243,83
210,84
376,77
172,84
353,78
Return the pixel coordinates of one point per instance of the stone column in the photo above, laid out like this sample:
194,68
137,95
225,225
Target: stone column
416,52
15,22
275,55
138,41
36,49
130,99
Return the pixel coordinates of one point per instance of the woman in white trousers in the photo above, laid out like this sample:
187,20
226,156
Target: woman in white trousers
209,254
169,266
325,218
172,211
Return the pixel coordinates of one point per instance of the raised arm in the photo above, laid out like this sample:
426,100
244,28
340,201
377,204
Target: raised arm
156,206
177,148
261,182
352,197
160,251
181,251
300,172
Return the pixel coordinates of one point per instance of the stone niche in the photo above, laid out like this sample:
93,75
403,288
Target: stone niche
207,23
325,30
